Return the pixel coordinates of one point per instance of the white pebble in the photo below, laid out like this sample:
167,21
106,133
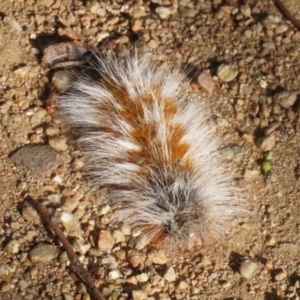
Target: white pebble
248,268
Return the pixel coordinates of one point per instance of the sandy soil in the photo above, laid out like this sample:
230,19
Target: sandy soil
262,45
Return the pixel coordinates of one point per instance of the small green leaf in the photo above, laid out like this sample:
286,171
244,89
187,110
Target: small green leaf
266,167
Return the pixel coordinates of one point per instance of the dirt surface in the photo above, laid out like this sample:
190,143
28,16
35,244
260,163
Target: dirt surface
257,41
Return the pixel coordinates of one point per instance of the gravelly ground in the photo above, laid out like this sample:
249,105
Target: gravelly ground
252,37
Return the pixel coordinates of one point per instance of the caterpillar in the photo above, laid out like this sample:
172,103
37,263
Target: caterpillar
152,147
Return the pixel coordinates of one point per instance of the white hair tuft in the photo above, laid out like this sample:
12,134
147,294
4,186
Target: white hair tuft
154,149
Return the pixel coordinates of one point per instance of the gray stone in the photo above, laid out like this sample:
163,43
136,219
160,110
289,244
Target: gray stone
37,158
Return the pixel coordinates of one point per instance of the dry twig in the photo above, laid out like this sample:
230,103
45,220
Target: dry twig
74,260
287,14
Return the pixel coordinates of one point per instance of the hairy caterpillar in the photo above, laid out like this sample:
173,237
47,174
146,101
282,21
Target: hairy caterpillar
153,149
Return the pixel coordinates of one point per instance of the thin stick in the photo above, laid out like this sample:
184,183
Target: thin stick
287,14
74,260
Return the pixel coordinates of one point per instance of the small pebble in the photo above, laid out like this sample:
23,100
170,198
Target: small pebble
34,51
57,178
281,29
139,13
187,12
106,241
166,296
139,295
248,268
225,284
158,257
52,131
119,236
269,265
248,138
153,44
143,277
47,3
206,82
263,84
77,164
104,210
205,261
221,122
245,10
183,285
43,253
110,261
5,270
29,213
270,242
39,114
266,143
71,223
126,229
233,152
120,254
286,99
141,242
251,173
136,258
115,274
136,25
22,72
54,199
227,73
6,286
12,247
68,297
71,203
16,25
170,274
94,7
101,12
59,143
269,45
163,12
95,252
281,275
22,285
271,128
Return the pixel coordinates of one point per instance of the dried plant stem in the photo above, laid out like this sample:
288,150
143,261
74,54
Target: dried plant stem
286,13
77,266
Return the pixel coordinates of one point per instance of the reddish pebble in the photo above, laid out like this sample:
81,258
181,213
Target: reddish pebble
269,265
206,82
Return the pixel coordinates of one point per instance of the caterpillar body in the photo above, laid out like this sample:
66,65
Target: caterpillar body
153,149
